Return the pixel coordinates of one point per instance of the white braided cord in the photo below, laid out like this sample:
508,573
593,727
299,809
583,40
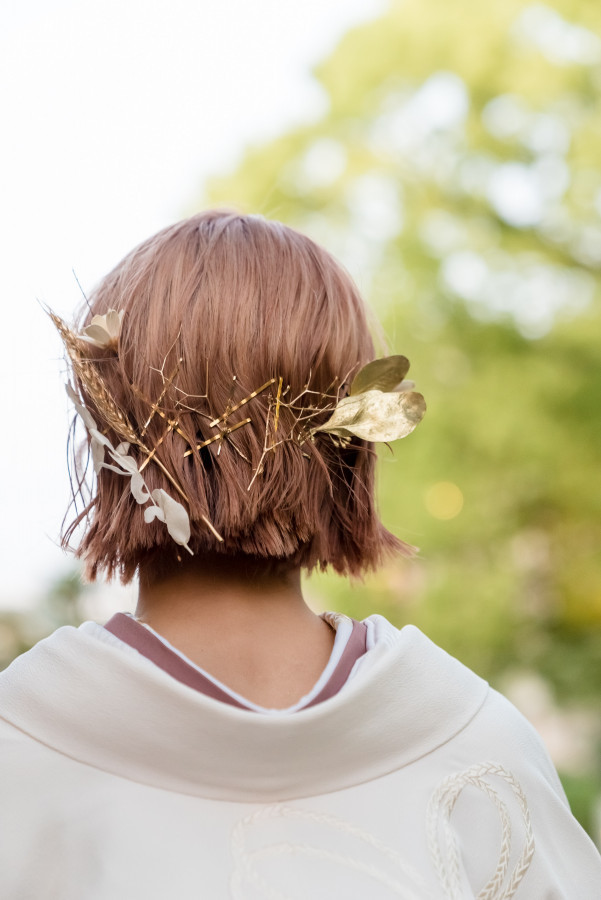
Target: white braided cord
443,801
442,842
246,859
447,860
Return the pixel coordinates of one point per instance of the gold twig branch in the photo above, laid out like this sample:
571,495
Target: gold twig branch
303,408
174,424
155,405
228,412
266,449
277,405
220,436
151,456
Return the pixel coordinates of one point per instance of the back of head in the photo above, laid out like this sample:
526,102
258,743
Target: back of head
218,309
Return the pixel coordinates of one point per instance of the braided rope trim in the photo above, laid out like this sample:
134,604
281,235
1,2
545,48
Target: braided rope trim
412,886
447,858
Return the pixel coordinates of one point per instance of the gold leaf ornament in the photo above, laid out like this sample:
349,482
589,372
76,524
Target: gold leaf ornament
380,406
384,375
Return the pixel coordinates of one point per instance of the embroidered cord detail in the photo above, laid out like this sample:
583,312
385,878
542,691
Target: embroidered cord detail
442,840
400,878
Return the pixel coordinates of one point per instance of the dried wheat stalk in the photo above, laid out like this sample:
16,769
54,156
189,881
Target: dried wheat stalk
94,386
96,389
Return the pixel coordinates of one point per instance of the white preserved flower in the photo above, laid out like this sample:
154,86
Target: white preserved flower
103,331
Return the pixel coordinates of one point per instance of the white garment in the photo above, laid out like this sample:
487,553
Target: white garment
342,625
416,780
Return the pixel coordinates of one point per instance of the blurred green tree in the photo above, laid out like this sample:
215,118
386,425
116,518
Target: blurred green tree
62,603
456,172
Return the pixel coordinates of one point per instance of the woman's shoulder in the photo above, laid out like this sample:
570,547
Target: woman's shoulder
443,692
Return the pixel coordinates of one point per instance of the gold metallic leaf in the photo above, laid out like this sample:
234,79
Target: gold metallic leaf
376,416
380,375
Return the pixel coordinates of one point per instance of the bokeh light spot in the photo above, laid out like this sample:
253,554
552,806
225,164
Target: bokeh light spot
444,500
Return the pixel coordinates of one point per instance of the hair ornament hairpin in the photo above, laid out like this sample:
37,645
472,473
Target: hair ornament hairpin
381,405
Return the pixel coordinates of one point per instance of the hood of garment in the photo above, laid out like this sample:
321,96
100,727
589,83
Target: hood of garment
109,707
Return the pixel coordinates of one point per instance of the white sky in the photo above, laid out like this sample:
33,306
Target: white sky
112,115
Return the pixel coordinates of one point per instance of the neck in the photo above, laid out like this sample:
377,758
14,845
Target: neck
242,620
214,589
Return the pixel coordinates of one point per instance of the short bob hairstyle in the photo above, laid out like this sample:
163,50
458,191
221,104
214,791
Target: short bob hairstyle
238,300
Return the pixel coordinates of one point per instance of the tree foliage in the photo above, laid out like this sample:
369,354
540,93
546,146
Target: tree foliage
456,173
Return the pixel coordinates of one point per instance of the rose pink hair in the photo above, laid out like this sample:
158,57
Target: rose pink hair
234,295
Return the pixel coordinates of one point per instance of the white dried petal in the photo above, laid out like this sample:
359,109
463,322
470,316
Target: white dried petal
127,463
86,416
174,515
113,322
153,512
97,335
101,438
103,331
165,508
138,488
97,455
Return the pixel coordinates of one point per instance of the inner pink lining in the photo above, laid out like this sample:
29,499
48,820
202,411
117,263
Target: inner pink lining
145,642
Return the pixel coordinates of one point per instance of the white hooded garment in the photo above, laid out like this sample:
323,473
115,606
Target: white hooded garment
416,780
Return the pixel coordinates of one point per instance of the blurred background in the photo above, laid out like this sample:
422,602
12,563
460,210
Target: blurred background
450,155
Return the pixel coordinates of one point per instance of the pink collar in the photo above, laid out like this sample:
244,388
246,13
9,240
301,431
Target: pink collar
145,642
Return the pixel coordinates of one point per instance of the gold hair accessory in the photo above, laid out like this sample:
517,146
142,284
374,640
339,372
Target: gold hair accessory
381,406
164,508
